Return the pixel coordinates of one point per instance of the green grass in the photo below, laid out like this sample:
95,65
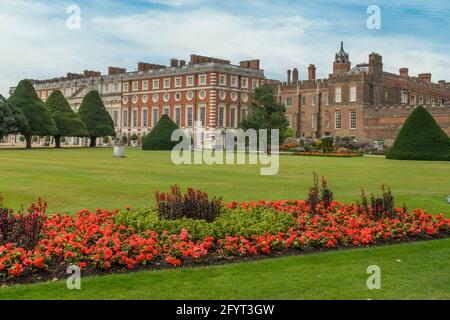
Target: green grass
83,178
90,178
408,271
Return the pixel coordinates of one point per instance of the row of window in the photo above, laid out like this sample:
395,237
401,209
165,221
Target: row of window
190,82
338,98
177,116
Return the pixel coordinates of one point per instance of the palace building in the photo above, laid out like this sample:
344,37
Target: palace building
211,91
361,101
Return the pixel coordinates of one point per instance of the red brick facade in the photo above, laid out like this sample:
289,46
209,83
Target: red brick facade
363,102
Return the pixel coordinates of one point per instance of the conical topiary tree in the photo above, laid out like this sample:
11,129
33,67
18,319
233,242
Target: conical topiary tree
67,121
95,117
160,138
421,138
39,119
12,118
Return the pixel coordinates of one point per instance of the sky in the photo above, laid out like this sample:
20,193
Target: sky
41,39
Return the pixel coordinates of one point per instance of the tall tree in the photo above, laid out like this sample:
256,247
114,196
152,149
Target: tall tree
12,119
67,121
40,121
95,117
266,113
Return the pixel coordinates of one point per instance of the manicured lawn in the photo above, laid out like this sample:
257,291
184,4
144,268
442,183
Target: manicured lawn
409,271
71,179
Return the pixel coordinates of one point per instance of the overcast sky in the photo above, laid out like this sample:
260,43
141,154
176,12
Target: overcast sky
35,41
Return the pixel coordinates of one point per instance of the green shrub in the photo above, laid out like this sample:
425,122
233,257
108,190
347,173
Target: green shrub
160,138
232,222
327,143
421,138
134,137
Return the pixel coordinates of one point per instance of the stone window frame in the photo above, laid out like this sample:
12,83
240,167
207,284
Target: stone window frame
336,120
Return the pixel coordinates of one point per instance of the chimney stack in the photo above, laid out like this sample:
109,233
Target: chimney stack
289,75
114,70
182,63
442,82
312,72
404,72
295,75
174,63
425,77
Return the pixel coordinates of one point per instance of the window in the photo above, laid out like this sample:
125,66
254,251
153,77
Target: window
155,116
288,103
353,94
178,116
233,117
223,80
178,82
145,85
254,84
404,97
234,81
125,87
115,117
428,100
166,111
145,117
202,80
353,120
116,87
134,118
289,120
222,115
314,101
135,86
155,84
125,118
245,83
338,118
338,95
167,83
313,121
244,112
386,96
190,81
202,115
303,101
189,116
413,100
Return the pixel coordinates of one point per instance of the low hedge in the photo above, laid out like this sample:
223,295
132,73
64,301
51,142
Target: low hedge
236,222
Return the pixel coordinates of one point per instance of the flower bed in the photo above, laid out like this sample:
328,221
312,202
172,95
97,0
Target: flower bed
107,240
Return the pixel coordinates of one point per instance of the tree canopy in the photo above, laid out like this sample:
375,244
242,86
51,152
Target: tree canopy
67,121
12,118
94,115
39,119
266,113
421,138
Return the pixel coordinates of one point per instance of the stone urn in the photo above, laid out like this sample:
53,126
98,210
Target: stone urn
448,199
119,151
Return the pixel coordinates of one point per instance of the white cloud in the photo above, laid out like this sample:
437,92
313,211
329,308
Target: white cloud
35,43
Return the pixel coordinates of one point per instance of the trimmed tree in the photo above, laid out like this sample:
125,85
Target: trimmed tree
160,138
421,138
94,115
67,121
12,119
266,113
39,119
